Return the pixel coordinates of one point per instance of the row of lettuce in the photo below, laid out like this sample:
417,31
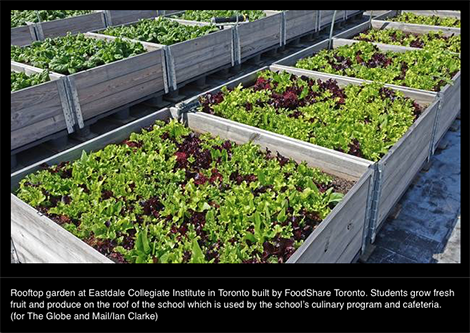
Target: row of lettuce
170,195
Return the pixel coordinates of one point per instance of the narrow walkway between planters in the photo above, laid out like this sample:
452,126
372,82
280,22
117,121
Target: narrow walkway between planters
425,226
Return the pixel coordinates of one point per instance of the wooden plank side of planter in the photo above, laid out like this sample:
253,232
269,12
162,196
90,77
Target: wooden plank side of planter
74,25
350,13
259,35
450,109
338,42
22,36
441,13
414,28
299,22
336,238
126,16
404,160
109,86
201,55
36,112
38,239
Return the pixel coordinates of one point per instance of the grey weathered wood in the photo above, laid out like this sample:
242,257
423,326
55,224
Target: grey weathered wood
22,36
404,160
74,25
441,13
195,57
259,35
339,230
118,17
116,84
350,13
191,23
339,237
338,42
300,22
36,111
414,28
201,55
38,239
450,108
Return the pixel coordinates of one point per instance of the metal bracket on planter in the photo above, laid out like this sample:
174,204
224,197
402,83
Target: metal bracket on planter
103,18
433,146
374,210
107,20
67,108
38,25
74,100
330,40
32,30
319,19
370,196
165,72
170,64
370,19
237,55
283,32
189,105
14,254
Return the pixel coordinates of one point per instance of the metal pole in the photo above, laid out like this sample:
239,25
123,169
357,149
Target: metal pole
331,30
370,19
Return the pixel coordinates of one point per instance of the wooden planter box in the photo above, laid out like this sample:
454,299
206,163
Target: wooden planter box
108,88
416,151
119,84
339,237
91,22
74,25
450,94
441,13
38,111
380,23
23,35
253,38
395,170
193,58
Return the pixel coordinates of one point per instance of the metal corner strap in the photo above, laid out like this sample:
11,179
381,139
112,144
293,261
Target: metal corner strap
170,64
74,100
283,32
374,210
67,108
